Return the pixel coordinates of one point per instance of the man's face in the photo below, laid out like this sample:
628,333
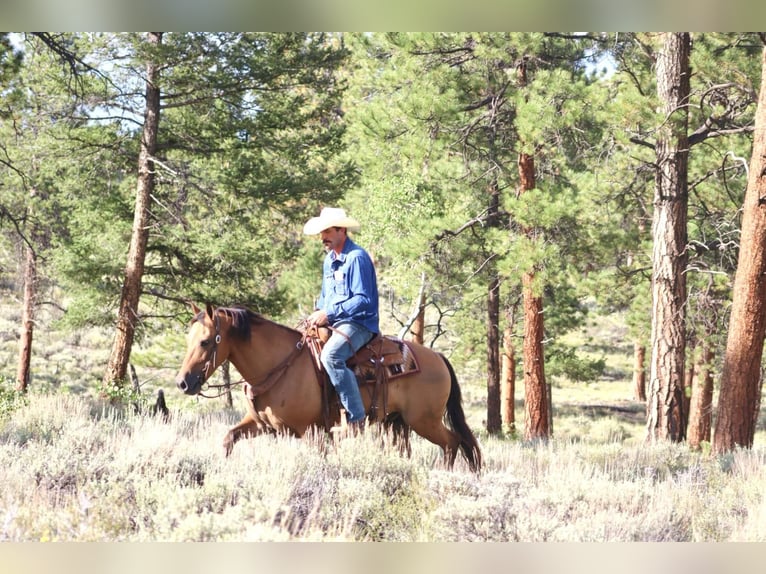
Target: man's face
333,238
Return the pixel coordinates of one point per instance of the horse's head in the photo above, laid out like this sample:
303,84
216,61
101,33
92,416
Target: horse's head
206,349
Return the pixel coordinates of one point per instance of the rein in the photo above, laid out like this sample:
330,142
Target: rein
271,378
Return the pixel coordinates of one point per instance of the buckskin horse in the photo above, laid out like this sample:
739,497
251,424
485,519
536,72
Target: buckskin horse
285,389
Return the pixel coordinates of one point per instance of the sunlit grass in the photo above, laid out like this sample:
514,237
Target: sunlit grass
74,469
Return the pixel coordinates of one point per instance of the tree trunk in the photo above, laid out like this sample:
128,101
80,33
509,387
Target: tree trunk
665,417
639,372
536,399
27,319
494,419
226,376
535,389
701,407
494,422
419,325
131,288
508,377
691,373
416,323
739,397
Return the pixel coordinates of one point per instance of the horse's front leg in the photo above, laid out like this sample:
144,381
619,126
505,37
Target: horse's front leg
247,427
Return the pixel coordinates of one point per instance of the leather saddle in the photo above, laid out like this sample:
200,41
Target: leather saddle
381,359
391,355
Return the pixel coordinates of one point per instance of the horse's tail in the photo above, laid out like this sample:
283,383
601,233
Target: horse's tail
456,418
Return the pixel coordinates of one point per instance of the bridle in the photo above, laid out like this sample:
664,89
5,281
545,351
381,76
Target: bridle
259,387
212,361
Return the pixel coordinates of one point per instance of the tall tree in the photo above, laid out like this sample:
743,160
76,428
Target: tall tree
665,397
10,64
536,397
741,379
29,303
128,315
249,135
461,95
719,112
40,106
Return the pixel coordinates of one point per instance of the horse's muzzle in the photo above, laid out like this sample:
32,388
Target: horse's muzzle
189,383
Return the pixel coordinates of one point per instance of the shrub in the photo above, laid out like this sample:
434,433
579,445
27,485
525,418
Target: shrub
10,399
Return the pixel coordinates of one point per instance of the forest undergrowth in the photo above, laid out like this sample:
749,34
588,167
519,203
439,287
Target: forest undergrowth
77,470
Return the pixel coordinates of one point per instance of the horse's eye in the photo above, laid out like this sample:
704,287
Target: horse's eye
204,343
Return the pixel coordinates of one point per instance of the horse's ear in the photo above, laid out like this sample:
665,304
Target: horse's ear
209,310
195,309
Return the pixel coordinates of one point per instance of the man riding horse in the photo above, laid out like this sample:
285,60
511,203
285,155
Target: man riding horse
279,374
348,304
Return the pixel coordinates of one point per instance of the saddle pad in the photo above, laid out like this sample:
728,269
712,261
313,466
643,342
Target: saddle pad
389,353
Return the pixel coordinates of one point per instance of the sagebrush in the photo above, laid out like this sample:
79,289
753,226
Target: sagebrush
78,469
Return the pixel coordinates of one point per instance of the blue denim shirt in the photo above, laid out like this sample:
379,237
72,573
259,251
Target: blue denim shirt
350,287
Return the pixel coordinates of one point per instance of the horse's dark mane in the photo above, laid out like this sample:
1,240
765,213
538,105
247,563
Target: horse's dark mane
242,320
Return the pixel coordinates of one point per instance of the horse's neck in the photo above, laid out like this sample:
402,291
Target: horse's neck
269,346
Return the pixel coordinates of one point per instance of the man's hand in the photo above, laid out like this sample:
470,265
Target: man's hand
318,318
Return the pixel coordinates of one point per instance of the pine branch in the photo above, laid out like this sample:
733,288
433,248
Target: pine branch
480,219
705,132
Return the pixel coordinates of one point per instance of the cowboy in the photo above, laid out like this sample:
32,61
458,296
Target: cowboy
348,304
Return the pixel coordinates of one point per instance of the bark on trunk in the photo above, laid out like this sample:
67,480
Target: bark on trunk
419,325
128,315
27,319
701,407
535,390
739,398
536,398
691,372
494,419
226,375
508,377
639,372
416,323
494,422
665,401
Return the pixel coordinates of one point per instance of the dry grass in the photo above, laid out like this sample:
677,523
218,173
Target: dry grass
75,470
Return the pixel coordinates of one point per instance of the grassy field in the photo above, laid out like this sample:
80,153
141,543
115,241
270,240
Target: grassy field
75,469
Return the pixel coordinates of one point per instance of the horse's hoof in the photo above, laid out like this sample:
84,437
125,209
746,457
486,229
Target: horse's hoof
228,445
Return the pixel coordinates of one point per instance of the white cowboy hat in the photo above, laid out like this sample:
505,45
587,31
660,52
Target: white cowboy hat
330,217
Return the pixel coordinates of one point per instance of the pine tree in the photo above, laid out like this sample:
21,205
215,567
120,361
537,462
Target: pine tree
719,117
665,405
245,149
741,381
452,121
40,106
128,315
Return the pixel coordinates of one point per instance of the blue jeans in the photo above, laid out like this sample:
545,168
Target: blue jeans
335,353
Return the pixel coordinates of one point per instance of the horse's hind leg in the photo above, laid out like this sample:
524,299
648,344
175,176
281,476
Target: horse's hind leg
433,429
247,427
